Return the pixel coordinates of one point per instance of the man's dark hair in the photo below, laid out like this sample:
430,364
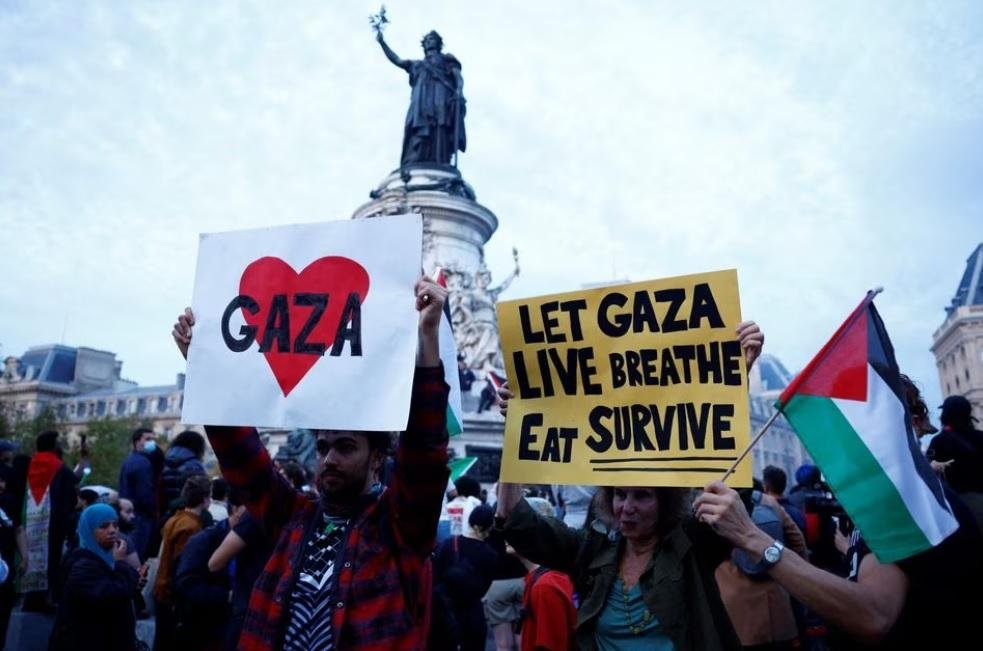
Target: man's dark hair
138,434
380,441
220,489
88,496
191,440
47,441
295,473
482,517
195,490
467,486
775,480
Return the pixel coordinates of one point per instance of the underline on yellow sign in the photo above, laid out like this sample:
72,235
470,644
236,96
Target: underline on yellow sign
636,459
659,469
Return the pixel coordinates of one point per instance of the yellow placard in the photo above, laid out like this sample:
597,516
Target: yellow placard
633,385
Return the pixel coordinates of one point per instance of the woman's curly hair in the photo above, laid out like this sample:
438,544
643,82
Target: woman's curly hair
674,505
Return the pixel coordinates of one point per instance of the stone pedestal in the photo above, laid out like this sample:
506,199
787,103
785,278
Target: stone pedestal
455,226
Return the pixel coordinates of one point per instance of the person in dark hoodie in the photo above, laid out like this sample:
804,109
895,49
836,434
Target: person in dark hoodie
464,567
203,608
96,609
183,459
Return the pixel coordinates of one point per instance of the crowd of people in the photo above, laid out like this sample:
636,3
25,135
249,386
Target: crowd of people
377,549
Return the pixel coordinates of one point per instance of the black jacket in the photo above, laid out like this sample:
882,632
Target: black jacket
96,609
202,596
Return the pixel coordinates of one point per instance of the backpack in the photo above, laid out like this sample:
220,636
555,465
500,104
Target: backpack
768,521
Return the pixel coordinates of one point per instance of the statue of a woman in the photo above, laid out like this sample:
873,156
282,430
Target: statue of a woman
435,120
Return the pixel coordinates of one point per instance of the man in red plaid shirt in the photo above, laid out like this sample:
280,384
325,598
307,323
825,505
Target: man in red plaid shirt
352,568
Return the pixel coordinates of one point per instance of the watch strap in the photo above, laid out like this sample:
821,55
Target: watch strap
764,564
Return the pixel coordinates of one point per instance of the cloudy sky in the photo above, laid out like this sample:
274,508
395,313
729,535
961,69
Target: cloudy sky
820,148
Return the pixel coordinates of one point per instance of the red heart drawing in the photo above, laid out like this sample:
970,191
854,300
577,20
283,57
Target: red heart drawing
267,277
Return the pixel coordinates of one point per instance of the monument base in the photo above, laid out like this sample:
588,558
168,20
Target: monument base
455,226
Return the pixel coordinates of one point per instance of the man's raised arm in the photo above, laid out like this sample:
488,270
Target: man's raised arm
243,458
421,459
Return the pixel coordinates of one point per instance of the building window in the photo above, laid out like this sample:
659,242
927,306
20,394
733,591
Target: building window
141,406
80,410
161,405
120,407
101,408
947,389
957,383
61,411
967,375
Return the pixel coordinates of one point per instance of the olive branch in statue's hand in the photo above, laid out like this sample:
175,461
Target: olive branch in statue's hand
379,21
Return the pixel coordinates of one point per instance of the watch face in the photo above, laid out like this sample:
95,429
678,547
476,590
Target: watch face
772,554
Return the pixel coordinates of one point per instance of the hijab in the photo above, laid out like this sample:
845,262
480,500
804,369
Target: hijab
90,520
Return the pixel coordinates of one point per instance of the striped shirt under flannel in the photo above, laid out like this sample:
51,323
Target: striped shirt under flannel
384,577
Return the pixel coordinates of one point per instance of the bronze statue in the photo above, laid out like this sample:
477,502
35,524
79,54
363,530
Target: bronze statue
434,130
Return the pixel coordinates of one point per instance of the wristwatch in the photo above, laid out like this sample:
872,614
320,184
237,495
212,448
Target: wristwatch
770,557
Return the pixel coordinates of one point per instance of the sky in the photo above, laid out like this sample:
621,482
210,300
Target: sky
821,149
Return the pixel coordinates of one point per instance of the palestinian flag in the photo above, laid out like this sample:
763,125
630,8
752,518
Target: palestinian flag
848,408
496,381
460,466
448,356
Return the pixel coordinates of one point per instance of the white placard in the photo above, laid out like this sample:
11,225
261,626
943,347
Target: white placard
312,275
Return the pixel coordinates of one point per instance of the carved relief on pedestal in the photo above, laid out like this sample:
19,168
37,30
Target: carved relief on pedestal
472,302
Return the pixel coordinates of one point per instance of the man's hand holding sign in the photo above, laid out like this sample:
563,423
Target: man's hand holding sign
637,384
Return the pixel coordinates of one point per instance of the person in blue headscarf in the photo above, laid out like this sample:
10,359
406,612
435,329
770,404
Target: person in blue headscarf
96,608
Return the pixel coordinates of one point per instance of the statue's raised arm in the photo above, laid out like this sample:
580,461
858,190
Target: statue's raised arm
392,56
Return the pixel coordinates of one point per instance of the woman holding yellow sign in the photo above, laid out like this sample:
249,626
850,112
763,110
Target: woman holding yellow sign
643,568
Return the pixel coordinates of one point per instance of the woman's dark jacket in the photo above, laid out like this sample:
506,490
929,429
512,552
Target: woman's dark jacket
678,586
96,609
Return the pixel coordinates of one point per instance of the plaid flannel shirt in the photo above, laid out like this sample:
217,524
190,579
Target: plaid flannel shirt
384,576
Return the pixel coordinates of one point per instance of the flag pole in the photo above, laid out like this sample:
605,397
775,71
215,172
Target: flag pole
757,437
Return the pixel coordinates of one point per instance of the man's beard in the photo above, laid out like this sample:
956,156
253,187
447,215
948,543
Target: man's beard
342,488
